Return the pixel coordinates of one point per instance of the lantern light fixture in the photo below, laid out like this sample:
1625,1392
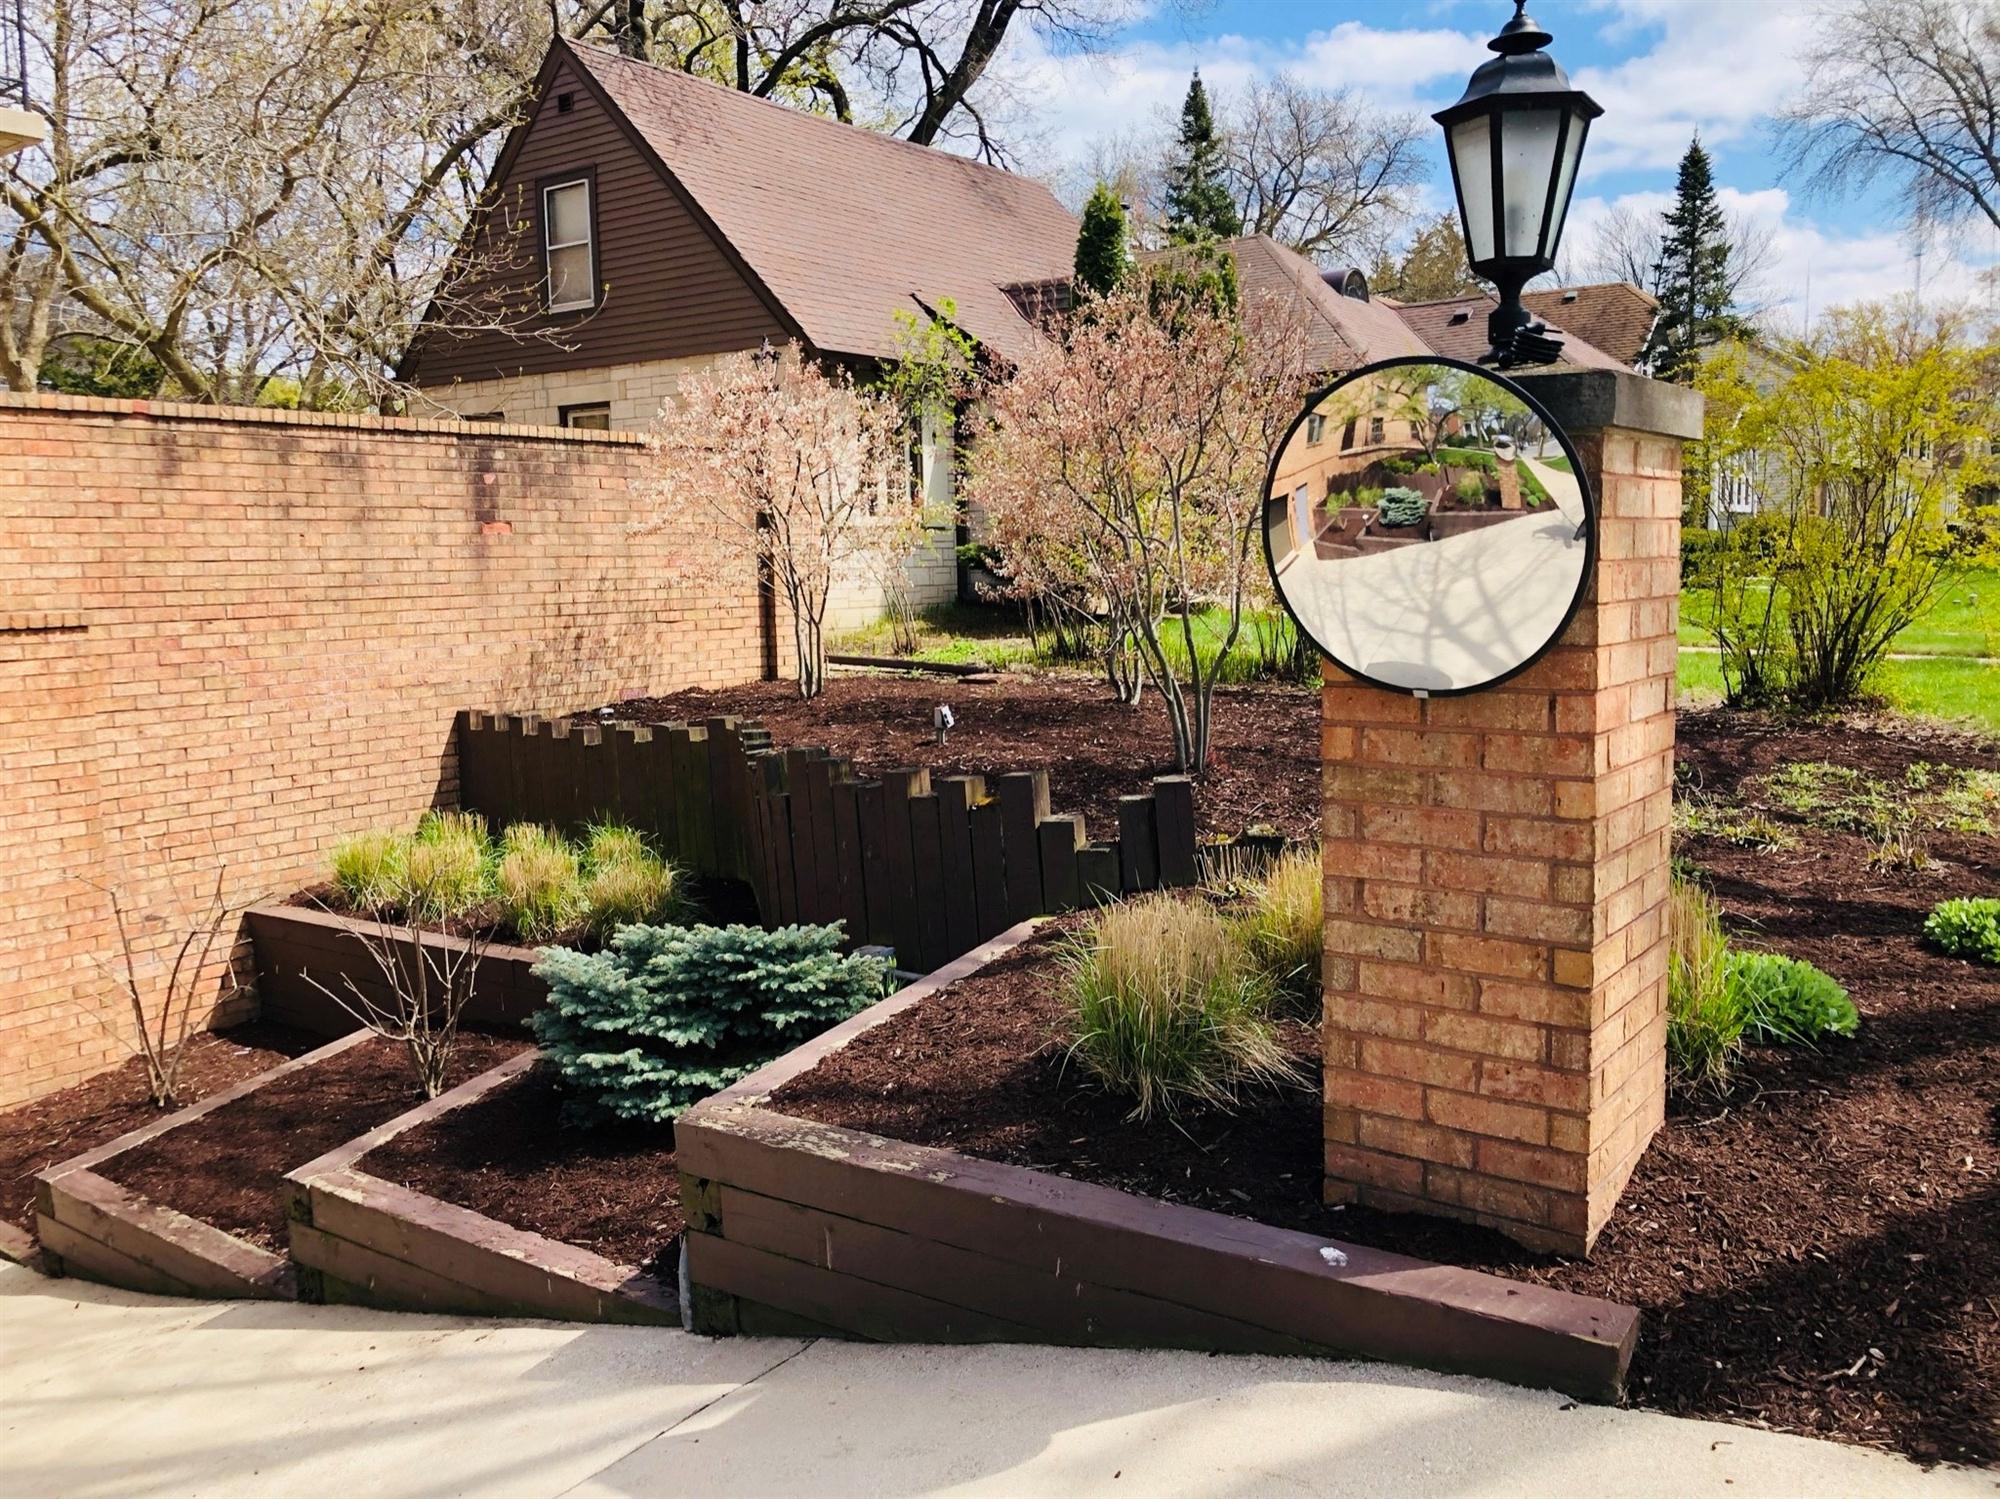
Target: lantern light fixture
1514,140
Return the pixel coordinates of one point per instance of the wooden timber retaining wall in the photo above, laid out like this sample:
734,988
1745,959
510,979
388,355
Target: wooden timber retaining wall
799,1227
928,866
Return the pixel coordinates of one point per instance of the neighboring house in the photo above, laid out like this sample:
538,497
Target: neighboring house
656,222
1603,326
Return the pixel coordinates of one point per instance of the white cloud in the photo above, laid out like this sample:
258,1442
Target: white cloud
1721,67
1810,266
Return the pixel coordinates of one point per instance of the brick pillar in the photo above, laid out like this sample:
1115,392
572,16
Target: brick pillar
1496,882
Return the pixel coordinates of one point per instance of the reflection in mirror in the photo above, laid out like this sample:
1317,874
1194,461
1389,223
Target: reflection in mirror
1426,526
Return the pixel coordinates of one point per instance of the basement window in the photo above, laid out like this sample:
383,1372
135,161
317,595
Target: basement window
594,418
567,245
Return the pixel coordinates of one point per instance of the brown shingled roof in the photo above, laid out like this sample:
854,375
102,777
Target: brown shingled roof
1456,328
844,226
1343,332
1615,316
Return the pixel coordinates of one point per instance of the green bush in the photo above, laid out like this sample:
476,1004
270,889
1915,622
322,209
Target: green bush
539,882
1402,507
1699,549
1968,927
1705,1018
1168,1009
1786,1001
1470,489
368,870
667,1015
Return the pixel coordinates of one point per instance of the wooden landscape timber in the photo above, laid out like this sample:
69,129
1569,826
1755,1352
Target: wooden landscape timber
797,1226
362,1240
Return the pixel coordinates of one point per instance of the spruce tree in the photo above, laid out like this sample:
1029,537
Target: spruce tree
1692,276
1198,202
1101,259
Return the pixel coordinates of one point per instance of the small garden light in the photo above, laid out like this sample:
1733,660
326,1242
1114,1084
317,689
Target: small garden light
1514,140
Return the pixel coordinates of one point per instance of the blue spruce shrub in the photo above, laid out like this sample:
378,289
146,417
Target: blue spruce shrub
667,1015
1402,507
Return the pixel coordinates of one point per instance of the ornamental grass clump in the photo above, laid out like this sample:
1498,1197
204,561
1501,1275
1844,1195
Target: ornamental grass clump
1705,1017
624,881
447,866
1968,927
368,869
1169,1009
667,1015
538,883
1283,930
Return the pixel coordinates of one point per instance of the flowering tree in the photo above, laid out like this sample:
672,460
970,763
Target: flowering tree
775,455
1126,457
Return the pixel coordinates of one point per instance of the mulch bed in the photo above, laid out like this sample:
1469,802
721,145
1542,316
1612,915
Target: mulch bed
225,1167
1817,1252
613,1190
98,1110
1263,764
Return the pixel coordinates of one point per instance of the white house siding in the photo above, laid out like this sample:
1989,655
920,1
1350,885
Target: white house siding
635,392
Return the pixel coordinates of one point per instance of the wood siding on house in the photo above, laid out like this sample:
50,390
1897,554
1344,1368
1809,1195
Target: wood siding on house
669,289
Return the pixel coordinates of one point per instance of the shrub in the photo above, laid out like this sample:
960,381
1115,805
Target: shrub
1402,507
1699,547
1284,932
368,869
1968,927
1784,1000
1705,1017
1169,1010
1470,488
667,1015
539,882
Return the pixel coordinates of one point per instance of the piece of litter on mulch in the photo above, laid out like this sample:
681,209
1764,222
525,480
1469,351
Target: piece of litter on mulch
1332,1256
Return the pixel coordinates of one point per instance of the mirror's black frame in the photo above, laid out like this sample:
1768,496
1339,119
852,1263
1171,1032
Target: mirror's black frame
1554,428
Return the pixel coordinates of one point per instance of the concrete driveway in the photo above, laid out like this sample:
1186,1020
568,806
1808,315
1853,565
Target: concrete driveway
104,1393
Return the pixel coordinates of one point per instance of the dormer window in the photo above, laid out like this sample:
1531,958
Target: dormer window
567,247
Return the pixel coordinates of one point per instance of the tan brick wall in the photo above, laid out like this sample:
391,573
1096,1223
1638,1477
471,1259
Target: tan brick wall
1496,881
635,393
232,637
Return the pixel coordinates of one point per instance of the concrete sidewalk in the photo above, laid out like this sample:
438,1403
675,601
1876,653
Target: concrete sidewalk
107,1393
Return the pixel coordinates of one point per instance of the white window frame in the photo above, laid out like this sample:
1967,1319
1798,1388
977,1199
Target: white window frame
589,243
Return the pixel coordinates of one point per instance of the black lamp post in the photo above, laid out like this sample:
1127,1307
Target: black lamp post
1514,140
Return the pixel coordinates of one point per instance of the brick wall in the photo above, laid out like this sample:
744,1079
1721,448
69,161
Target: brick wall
1496,875
230,637
633,394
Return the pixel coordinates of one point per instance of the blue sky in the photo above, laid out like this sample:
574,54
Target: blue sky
1661,68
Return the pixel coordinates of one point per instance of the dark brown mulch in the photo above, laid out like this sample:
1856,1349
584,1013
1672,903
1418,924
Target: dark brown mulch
1817,1252
225,1167
613,1190
98,1110
1263,768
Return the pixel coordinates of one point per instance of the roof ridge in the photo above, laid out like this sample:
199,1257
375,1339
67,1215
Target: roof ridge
593,52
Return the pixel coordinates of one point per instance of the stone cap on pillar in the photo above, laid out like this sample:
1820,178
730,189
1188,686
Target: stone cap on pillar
1588,400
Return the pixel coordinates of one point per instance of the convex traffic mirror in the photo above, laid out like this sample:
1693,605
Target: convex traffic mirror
1428,526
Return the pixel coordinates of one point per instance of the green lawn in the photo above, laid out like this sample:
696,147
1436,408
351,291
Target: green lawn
1965,620
1957,691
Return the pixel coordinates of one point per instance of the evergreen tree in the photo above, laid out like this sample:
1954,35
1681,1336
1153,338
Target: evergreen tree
1432,267
1198,202
1101,258
1692,276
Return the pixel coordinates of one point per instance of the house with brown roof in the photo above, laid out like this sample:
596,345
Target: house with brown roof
654,222
642,223
1604,326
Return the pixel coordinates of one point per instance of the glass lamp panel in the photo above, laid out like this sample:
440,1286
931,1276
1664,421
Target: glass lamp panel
1527,162
1472,164
1572,153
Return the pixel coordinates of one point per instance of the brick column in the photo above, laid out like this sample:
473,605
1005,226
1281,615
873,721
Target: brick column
1496,882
